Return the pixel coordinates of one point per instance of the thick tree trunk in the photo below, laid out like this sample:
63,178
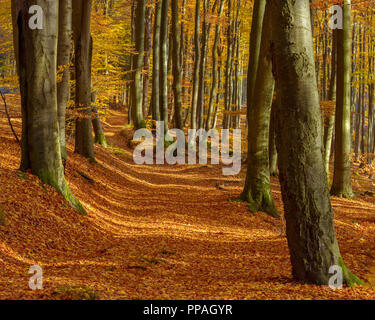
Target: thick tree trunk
36,55
342,185
82,42
63,61
308,212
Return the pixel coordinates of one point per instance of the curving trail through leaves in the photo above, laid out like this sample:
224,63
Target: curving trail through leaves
158,232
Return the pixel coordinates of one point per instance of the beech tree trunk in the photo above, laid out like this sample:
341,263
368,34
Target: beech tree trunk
342,185
164,64
138,59
197,57
308,213
63,61
82,42
214,85
155,100
257,189
177,72
36,55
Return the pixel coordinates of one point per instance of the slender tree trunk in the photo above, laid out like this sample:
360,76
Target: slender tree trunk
330,119
63,61
257,189
164,64
155,100
81,30
139,64
202,66
177,72
214,85
197,58
97,125
272,143
342,185
146,77
228,70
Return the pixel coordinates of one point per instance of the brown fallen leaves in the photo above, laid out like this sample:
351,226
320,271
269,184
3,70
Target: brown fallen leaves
157,232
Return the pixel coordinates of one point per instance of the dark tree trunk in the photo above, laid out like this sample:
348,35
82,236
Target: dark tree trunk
82,42
308,212
36,55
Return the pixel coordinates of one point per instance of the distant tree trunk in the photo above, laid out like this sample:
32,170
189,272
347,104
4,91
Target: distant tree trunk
155,100
82,38
255,41
197,57
272,143
342,185
214,84
146,77
36,56
164,63
330,119
308,213
138,65
257,190
202,67
131,69
63,61
97,125
177,72
228,70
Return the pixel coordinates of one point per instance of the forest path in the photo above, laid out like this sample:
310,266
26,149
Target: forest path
156,232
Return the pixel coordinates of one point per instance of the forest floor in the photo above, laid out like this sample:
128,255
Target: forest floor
159,232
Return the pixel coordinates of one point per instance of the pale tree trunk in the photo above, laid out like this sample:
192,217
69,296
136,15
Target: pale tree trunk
138,59
36,55
176,51
164,63
97,125
82,42
330,119
342,185
197,57
202,67
257,191
214,85
155,100
63,61
228,70
308,213
146,77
